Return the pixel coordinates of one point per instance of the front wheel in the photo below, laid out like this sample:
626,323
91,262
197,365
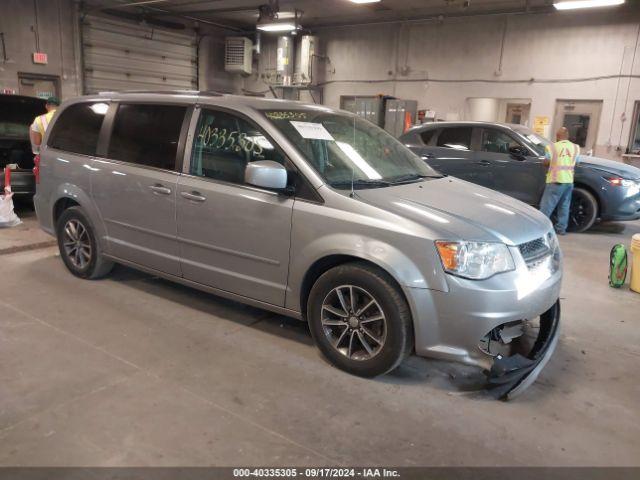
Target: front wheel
583,212
360,320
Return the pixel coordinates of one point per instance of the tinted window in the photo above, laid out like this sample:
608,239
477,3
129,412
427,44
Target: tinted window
147,134
496,141
427,135
456,137
78,128
225,144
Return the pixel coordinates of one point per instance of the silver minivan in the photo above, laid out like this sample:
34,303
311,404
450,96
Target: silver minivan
310,212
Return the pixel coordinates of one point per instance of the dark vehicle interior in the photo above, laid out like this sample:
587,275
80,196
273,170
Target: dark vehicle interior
16,114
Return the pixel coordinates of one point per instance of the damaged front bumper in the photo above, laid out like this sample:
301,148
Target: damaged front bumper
507,324
509,376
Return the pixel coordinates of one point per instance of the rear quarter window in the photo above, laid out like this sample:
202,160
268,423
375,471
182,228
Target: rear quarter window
78,128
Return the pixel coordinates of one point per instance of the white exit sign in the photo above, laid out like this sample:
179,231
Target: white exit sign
40,58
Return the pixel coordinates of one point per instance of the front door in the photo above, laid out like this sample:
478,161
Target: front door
452,154
232,236
134,187
519,176
581,118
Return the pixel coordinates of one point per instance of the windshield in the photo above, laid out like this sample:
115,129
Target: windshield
16,115
533,140
347,150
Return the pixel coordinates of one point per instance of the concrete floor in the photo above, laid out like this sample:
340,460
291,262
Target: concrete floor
134,370
27,235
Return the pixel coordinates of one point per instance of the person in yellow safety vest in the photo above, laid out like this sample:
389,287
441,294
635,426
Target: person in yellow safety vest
561,157
40,124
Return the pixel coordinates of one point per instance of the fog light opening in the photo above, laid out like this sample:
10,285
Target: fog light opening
510,338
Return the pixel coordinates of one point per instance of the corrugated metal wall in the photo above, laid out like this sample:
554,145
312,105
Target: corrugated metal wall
118,55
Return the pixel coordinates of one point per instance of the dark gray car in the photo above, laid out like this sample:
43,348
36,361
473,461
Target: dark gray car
508,158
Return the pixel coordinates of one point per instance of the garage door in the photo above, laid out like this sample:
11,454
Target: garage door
125,56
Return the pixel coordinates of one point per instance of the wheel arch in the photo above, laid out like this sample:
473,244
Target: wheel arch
593,192
326,263
62,204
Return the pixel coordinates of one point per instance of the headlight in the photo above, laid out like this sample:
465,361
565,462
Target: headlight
632,186
554,246
621,182
475,260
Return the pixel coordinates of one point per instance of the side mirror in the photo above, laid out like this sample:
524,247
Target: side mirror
518,152
266,174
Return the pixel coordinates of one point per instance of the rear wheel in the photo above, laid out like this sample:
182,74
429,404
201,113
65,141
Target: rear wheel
583,212
78,246
360,320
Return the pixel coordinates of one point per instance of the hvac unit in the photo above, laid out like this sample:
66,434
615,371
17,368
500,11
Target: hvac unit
238,52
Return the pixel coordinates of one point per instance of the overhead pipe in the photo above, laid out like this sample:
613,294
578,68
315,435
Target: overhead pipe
163,11
439,18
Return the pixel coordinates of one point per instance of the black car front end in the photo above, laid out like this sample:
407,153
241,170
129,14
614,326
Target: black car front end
16,115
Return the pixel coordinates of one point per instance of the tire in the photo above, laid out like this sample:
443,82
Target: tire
80,254
339,337
583,212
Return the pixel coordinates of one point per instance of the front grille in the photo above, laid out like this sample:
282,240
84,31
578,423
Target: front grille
534,250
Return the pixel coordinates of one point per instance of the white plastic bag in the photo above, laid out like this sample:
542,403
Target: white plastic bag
8,217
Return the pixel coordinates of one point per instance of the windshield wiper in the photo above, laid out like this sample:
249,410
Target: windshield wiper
412,177
360,183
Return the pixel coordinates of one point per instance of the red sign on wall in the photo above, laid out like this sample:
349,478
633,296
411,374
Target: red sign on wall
40,58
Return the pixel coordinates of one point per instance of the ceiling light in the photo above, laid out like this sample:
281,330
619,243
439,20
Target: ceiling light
281,15
364,1
276,27
271,20
575,4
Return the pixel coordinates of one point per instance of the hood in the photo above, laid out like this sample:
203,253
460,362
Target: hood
461,210
617,168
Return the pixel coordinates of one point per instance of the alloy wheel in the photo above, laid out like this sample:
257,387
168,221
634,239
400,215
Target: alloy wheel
77,244
581,211
353,322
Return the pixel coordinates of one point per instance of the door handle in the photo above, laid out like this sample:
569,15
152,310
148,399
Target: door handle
157,188
193,196
484,163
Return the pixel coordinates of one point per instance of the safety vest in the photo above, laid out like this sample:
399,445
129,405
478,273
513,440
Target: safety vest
42,122
563,156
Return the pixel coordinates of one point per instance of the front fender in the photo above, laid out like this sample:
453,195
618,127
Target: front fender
386,256
593,182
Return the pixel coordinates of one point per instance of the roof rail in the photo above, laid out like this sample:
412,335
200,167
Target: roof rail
174,92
